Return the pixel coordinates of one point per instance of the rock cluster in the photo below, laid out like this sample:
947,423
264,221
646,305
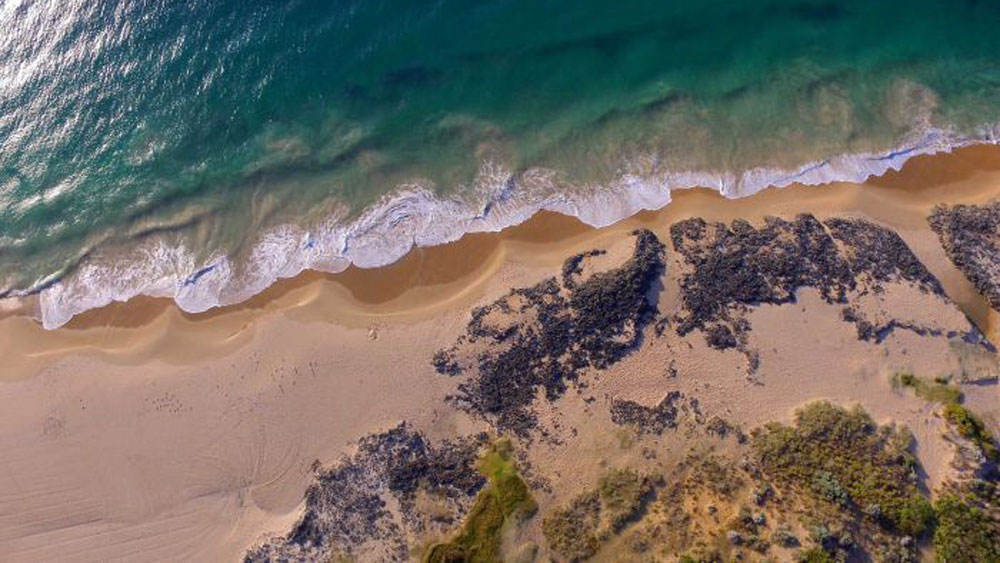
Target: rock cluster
648,420
970,235
544,336
347,508
731,267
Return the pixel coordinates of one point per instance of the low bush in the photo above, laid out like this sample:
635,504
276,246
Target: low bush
973,429
964,533
938,391
841,456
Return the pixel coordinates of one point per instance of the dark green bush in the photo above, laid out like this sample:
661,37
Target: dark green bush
970,427
843,457
964,533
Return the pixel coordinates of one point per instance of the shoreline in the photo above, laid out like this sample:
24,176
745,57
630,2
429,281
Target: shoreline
138,428
413,218
429,280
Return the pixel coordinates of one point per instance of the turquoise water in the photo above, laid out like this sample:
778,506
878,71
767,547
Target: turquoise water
202,149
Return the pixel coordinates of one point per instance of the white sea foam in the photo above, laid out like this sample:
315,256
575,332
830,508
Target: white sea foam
413,216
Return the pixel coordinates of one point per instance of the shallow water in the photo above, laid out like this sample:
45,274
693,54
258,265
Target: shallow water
200,150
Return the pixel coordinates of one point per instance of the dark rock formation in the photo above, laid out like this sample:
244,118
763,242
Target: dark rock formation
543,337
970,235
648,420
730,268
346,508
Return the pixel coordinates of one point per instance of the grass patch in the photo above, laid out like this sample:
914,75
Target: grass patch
815,555
966,423
938,391
973,429
621,492
577,531
572,531
843,458
964,533
505,501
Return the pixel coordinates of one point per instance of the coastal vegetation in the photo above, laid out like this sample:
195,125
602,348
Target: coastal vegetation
971,427
577,531
843,458
964,532
937,391
831,486
961,419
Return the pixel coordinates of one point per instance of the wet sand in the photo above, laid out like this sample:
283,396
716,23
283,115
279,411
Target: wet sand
430,280
140,432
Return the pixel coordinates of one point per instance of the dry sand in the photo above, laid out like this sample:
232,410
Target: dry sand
141,433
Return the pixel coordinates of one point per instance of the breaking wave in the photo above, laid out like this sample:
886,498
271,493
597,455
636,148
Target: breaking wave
414,217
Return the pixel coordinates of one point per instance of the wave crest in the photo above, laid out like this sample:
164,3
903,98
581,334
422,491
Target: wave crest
414,216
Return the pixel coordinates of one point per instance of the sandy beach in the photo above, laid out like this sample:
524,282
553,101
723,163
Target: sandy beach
138,432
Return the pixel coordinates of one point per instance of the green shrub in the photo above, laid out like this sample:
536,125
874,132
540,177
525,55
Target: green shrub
576,531
915,515
841,456
815,555
964,533
972,428
572,532
506,500
938,391
621,492
826,485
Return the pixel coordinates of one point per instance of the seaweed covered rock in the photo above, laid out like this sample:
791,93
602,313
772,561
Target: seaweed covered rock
545,336
346,508
743,265
880,255
506,502
731,267
970,235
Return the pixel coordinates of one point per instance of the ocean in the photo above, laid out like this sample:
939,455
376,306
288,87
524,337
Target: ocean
202,150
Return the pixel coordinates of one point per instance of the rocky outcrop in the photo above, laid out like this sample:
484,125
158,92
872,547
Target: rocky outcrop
544,336
970,235
729,268
364,506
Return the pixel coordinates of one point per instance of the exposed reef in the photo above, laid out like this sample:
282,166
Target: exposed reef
365,506
728,268
655,419
970,235
666,480
544,336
